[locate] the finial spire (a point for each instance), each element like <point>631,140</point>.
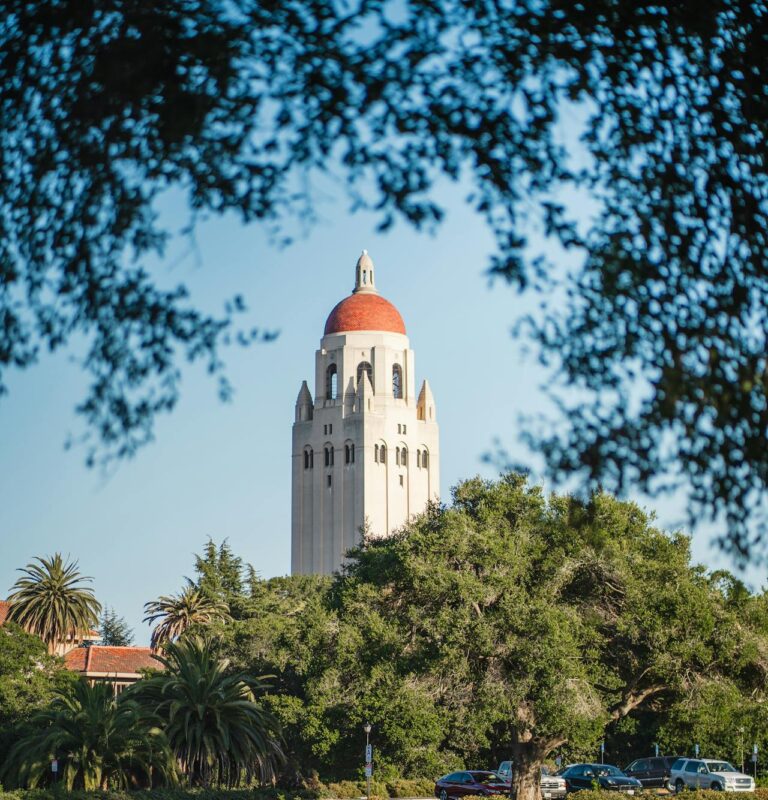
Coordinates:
<point>364,281</point>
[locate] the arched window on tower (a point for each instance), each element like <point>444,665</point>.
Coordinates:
<point>306,458</point>
<point>331,383</point>
<point>397,382</point>
<point>418,458</point>
<point>383,453</point>
<point>397,456</point>
<point>425,459</point>
<point>376,453</point>
<point>329,455</point>
<point>349,453</point>
<point>403,457</point>
<point>364,366</point>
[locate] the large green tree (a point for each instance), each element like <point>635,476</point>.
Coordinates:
<point>52,601</point>
<point>650,114</point>
<point>539,621</point>
<point>100,740</point>
<point>217,728</point>
<point>29,679</point>
<point>506,625</point>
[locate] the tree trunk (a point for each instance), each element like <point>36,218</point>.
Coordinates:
<point>526,770</point>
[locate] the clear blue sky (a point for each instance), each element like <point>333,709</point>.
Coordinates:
<point>223,470</point>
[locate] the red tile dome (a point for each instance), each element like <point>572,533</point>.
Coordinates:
<point>364,311</point>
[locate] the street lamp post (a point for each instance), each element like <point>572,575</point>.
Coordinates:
<point>741,747</point>
<point>368,760</point>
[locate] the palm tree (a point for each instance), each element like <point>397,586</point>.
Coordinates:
<point>217,730</point>
<point>178,613</point>
<point>99,740</point>
<point>51,602</point>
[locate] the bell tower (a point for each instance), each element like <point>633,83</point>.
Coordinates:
<point>366,448</point>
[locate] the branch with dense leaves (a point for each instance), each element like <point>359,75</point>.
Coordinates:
<point>652,115</point>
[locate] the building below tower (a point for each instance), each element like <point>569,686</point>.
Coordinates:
<point>366,448</point>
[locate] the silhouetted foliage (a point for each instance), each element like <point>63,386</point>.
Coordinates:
<point>653,112</point>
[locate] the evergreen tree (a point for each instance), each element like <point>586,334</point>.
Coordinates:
<point>114,630</point>
<point>223,576</point>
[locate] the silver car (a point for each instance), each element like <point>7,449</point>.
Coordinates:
<point>708,773</point>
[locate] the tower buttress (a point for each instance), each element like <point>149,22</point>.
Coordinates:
<point>304,406</point>
<point>425,405</point>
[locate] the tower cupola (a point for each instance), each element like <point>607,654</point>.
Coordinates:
<point>364,280</point>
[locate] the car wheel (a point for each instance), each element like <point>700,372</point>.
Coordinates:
<point>443,795</point>
<point>717,787</point>
<point>679,786</point>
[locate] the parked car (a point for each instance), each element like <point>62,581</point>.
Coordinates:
<point>459,784</point>
<point>708,773</point>
<point>606,776</point>
<point>652,771</point>
<point>552,786</point>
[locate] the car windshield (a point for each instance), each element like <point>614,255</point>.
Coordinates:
<point>719,766</point>
<point>607,771</point>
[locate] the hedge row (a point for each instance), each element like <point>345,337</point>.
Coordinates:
<point>345,790</point>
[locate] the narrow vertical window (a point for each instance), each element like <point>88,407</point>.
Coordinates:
<point>383,454</point>
<point>376,453</point>
<point>418,458</point>
<point>306,459</point>
<point>329,480</point>
<point>404,457</point>
<point>352,448</point>
<point>397,456</point>
<point>331,382</point>
<point>425,459</point>
<point>397,382</point>
<point>327,453</point>
<point>346,454</point>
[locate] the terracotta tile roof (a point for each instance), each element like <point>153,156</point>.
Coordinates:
<point>110,660</point>
<point>364,312</point>
<point>5,607</point>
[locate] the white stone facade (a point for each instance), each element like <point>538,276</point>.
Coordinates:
<point>366,449</point>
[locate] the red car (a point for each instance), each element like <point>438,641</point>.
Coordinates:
<point>458,784</point>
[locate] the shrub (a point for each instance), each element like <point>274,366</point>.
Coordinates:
<point>418,787</point>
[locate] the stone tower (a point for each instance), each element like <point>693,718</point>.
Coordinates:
<point>366,448</point>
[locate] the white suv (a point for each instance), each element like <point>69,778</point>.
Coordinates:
<point>707,773</point>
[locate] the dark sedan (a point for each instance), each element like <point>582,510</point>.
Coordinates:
<point>651,771</point>
<point>459,784</point>
<point>607,777</point>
